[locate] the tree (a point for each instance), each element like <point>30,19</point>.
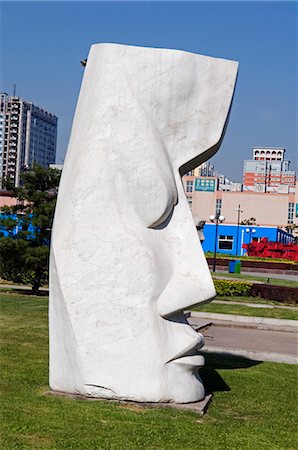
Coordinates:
<point>293,230</point>
<point>26,227</point>
<point>251,221</point>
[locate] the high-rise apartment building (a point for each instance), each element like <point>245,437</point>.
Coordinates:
<point>28,135</point>
<point>204,170</point>
<point>268,171</point>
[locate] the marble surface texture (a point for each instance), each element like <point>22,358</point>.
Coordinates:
<point>126,260</point>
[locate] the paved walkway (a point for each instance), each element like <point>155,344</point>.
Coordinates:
<point>280,276</point>
<point>250,339</point>
<point>256,305</point>
<point>21,287</point>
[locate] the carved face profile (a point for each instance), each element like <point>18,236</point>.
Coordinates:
<point>126,261</point>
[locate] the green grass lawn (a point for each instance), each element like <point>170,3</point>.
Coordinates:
<point>242,276</point>
<point>256,300</point>
<point>249,258</point>
<point>243,310</point>
<point>254,404</point>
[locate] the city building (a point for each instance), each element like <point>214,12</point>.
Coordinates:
<point>6,199</point>
<point>225,184</point>
<point>268,209</point>
<point>198,179</point>
<point>230,237</point>
<point>268,172</point>
<point>28,135</point>
<point>268,215</point>
<point>56,166</point>
<point>194,184</point>
<point>204,170</point>
<point>269,193</point>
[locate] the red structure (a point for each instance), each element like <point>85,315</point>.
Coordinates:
<point>267,249</point>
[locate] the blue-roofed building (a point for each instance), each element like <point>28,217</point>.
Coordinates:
<point>227,237</point>
<point>19,225</point>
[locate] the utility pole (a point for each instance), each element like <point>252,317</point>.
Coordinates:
<point>218,218</point>
<point>238,223</point>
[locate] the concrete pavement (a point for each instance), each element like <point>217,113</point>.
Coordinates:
<point>235,320</point>
<point>255,305</point>
<point>281,275</point>
<point>21,287</point>
<point>277,342</point>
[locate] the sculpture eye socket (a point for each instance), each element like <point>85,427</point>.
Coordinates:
<point>163,221</point>
<point>166,217</point>
<point>150,188</point>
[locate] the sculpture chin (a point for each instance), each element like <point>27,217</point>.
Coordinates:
<point>182,384</point>
<point>177,393</point>
<point>186,384</point>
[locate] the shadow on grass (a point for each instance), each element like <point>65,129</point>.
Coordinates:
<point>212,380</point>
<point>20,291</point>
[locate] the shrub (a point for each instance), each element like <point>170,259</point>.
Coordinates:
<point>25,253</point>
<point>232,288</point>
<point>256,262</point>
<point>281,294</point>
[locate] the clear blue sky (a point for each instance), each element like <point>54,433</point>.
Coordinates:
<point>43,43</point>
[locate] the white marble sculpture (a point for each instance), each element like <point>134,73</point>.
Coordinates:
<point>126,260</point>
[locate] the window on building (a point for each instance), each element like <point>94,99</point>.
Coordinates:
<point>225,242</point>
<point>218,206</point>
<point>189,199</point>
<point>189,186</point>
<point>291,212</point>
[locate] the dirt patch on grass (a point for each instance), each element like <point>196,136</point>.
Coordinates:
<point>37,440</point>
<point>132,407</point>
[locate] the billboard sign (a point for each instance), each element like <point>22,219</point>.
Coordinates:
<point>205,184</point>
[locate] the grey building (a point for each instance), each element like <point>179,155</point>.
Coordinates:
<point>269,171</point>
<point>28,135</point>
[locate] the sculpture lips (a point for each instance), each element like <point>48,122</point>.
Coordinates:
<point>190,352</point>
<point>191,361</point>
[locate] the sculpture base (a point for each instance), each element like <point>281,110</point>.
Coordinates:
<point>198,407</point>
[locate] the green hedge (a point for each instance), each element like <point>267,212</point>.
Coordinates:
<point>232,288</point>
<point>283,294</point>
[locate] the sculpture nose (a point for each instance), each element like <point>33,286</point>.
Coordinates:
<point>187,288</point>
<point>191,282</point>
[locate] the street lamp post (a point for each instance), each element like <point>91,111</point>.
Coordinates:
<point>250,231</point>
<point>238,222</point>
<point>218,218</point>
<point>242,241</point>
